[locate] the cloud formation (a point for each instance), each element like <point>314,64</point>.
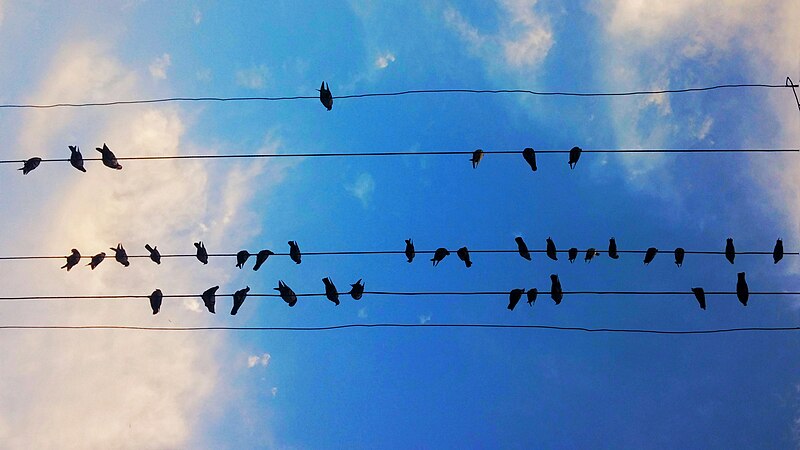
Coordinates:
<point>158,68</point>
<point>384,60</point>
<point>253,78</point>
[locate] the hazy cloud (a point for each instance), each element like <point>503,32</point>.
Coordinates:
<point>159,66</point>
<point>253,78</point>
<point>384,60</point>
<point>256,360</point>
<point>363,188</point>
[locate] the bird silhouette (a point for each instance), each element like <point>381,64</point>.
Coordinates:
<point>410,250</point>
<point>522,248</point>
<point>777,253</point>
<point>209,298</point>
<point>72,260</point>
<point>551,250</point>
<point>75,158</point>
<point>30,164</point>
<point>97,259</point>
<point>155,255</point>
<point>742,292</point>
<point>325,96</point>
<point>330,291</point>
<point>202,254</point>
<point>109,160</point>
<point>679,254</point>
<point>357,290</point>
<point>286,293</point>
<point>612,249</point>
<point>574,156</point>
<point>238,299</point>
<point>514,297</point>
<point>555,289</point>
<point>700,295</point>
<point>155,301</point>
<point>477,156</point>
<point>532,294</point>
<point>294,252</point>
<point>649,255</point>
<point>590,253</point>
<point>241,258</point>
<point>261,258</point>
<point>439,255</point>
<point>120,255</point>
<point>572,253</point>
<point>530,157</point>
<point>463,254</point>
<point>730,251</point>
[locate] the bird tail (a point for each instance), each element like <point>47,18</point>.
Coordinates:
<point>148,248</point>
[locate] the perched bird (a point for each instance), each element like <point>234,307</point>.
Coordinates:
<point>357,290</point>
<point>463,254</point>
<point>551,250</point>
<point>97,259</point>
<point>522,248</point>
<point>612,249</point>
<point>155,255</point>
<point>649,255</point>
<point>574,156</point>
<point>109,160</point>
<point>532,294</point>
<point>325,96</point>
<point>241,258</point>
<point>590,253</point>
<point>572,254</point>
<point>555,289</point>
<point>514,297</point>
<point>477,156</point>
<point>439,255</point>
<point>287,294</point>
<point>530,157</point>
<point>700,295</point>
<point>742,292</point>
<point>777,253</point>
<point>730,251</point>
<point>410,250</point>
<point>72,260</point>
<point>30,164</point>
<point>330,291</point>
<point>261,258</point>
<point>679,254</point>
<point>155,301</point>
<point>238,299</point>
<point>294,252</point>
<point>75,158</point>
<point>121,255</point>
<point>202,254</point>
<point>209,298</point>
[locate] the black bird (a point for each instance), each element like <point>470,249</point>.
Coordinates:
<point>75,158</point>
<point>330,291</point>
<point>679,254</point>
<point>700,295</point>
<point>155,301</point>
<point>209,298</point>
<point>325,96</point>
<point>97,259</point>
<point>590,253</point>
<point>532,294</point>
<point>30,164</point>
<point>238,299</point>
<point>202,254</point>
<point>742,292</point>
<point>574,156</point>
<point>155,255</point>
<point>522,248</point>
<point>261,258</point>
<point>358,290</point>
<point>649,255</point>
<point>555,289</point>
<point>121,255</point>
<point>241,258</point>
<point>612,249</point>
<point>572,254</point>
<point>514,297</point>
<point>410,250</point>
<point>551,250</point>
<point>72,260</point>
<point>730,251</point>
<point>777,253</point>
<point>439,255</point>
<point>294,252</point>
<point>477,156</point>
<point>530,157</point>
<point>109,160</point>
<point>463,254</point>
<point>287,294</point>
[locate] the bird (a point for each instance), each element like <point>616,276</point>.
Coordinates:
<point>700,295</point>
<point>612,249</point>
<point>155,255</point>
<point>97,259</point>
<point>574,156</point>
<point>572,254</point>
<point>649,255</point>
<point>121,255</point>
<point>261,258</point>
<point>238,299</point>
<point>241,258</point>
<point>439,255</point>
<point>463,254</point>
<point>155,301</point>
<point>730,251</point>
<point>532,294</point>
<point>742,292</point>
<point>410,250</point>
<point>522,248</point>
<point>679,254</point>
<point>477,156</point>
<point>551,250</point>
<point>294,252</point>
<point>286,293</point>
<point>325,96</point>
<point>530,157</point>
<point>357,290</point>
<point>590,253</point>
<point>513,298</point>
<point>202,254</point>
<point>72,260</point>
<point>777,253</point>
<point>209,298</point>
<point>330,291</point>
<point>30,164</point>
<point>109,160</point>
<point>555,289</point>
<point>75,158</point>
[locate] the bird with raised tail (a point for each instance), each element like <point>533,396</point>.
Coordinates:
<point>357,290</point>
<point>155,255</point>
<point>109,159</point>
<point>121,255</point>
<point>238,299</point>
<point>522,248</point>
<point>551,250</point>
<point>294,252</point>
<point>72,260</point>
<point>286,293</point>
<point>325,96</point>
<point>330,291</point>
<point>202,254</point>
<point>76,158</point>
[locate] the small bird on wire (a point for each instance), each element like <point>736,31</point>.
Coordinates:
<point>261,258</point>
<point>286,293</point>
<point>522,248</point>
<point>777,252</point>
<point>679,254</point>
<point>514,297</point>
<point>121,255</point>
<point>29,164</point>
<point>109,159</point>
<point>294,252</point>
<point>325,96</point>
<point>730,251</point>
<point>590,253</point>
<point>439,255</point>
<point>532,294</point>
<point>574,156</point>
<point>410,253</point>
<point>555,289</point>
<point>97,259</point>
<point>649,255</point>
<point>202,254</point>
<point>76,158</point>
<point>742,292</point>
<point>241,258</point>
<point>72,260</point>
<point>700,295</point>
<point>551,250</point>
<point>155,255</point>
<point>612,249</point>
<point>572,254</point>
<point>477,156</point>
<point>330,291</point>
<point>155,301</point>
<point>238,299</point>
<point>357,290</point>
<point>210,298</point>
<point>463,254</point>
<point>530,157</point>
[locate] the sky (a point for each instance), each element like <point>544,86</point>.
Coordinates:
<point>400,388</point>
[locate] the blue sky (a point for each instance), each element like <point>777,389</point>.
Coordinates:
<point>428,388</point>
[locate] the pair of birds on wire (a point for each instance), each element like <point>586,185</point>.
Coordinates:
<point>742,291</point>
<point>76,160</point>
<point>529,154</point>
<point>261,257</point>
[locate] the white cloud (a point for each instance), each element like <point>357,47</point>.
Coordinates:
<point>256,360</point>
<point>363,188</point>
<point>197,16</point>
<point>424,318</point>
<point>159,66</point>
<point>253,78</point>
<point>384,60</point>
<point>274,392</point>
<point>362,313</point>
